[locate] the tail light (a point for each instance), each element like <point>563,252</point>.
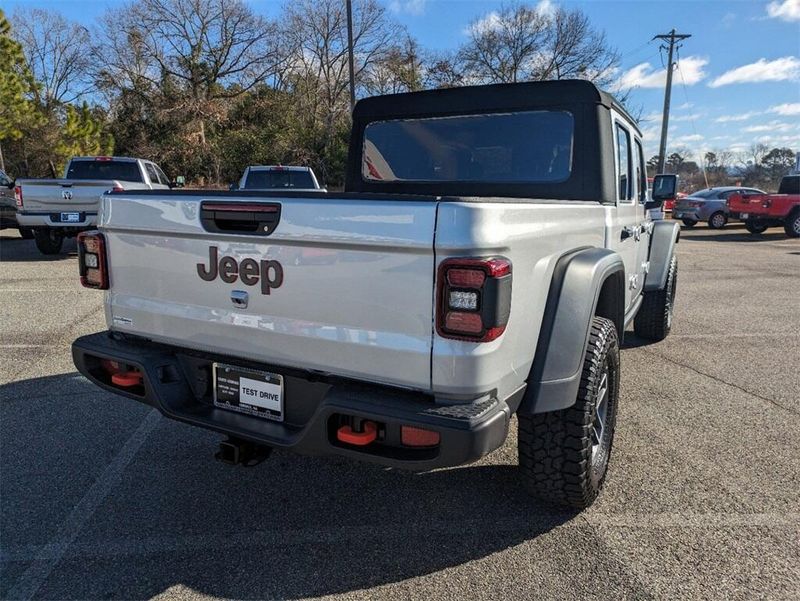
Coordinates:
<point>18,196</point>
<point>474,298</point>
<point>92,260</point>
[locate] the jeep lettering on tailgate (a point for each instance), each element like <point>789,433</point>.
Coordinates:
<point>249,271</point>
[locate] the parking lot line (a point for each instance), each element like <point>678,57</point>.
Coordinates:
<point>50,554</point>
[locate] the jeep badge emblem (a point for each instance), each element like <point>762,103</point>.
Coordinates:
<point>66,194</point>
<point>249,271</point>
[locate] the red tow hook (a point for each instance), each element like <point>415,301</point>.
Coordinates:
<point>127,379</point>
<point>347,435</point>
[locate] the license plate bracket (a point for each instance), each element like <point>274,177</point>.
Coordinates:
<point>249,391</point>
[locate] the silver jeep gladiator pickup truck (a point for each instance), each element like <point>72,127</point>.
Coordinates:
<point>60,208</point>
<point>490,248</point>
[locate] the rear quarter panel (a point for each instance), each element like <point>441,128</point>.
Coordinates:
<point>533,235</point>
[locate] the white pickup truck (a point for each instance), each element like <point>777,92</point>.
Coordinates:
<point>59,208</point>
<point>279,177</point>
<point>490,249</point>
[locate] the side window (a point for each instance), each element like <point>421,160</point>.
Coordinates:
<point>162,176</point>
<point>624,183</point>
<point>641,172</point>
<point>151,173</point>
<point>4,181</point>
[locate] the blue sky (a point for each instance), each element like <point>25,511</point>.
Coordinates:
<point>738,80</point>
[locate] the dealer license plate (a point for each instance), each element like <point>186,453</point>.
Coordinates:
<point>70,217</point>
<point>258,393</point>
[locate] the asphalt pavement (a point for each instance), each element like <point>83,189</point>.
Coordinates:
<point>101,497</point>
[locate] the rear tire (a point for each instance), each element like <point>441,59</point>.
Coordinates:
<point>689,223</point>
<point>654,319</point>
<point>791,224</point>
<point>755,227</point>
<point>48,241</point>
<point>564,455</point>
<point>717,221</point>
<point>26,233</point>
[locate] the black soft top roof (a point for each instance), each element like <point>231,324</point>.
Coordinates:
<point>510,96</point>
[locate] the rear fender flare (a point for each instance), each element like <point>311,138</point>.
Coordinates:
<point>662,246</point>
<point>572,301</point>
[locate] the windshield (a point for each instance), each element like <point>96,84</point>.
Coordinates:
<point>265,179</point>
<point>126,171</point>
<point>524,147</point>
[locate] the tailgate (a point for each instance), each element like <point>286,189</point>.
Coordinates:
<point>63,195</point>
<point>340,286</point>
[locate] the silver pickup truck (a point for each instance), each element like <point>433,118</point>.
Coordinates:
<point>490,249</point>
<point>59,208</point>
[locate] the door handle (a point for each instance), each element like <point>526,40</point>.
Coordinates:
<point>628,231</point>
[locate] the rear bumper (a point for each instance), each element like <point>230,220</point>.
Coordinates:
<point>177,382</point>
<point>52,219</point>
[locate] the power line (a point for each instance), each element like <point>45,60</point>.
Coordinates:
<point>672,38</point>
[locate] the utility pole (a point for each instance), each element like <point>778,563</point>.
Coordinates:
<point>672,38</point>
<point>350,54</point>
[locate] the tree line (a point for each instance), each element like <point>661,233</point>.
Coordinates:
<point>757,167</point>
<point>206,87</point>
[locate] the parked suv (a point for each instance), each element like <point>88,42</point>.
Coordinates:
<point>708,205</point>
<point>491,246</point>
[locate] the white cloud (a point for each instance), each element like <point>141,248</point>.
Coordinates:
<point>488,22</point>
<point>728,20</point>
<point>788,10</point>
<point>739,117</point>
<point>772,126</point>
<point>411,7</point>
<point>780,69</point>
<point>491,20</point>
<point>786,110</point>
<point>687,139</point>
<point>685,105</point>
<point>546,8</point>
<point>644,75</point>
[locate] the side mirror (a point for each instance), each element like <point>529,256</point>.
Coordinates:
<point>665,187</point>
<point>180,181</point>
<point>233,187</point>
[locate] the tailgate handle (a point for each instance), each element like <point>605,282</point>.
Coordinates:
<point>252,218</point>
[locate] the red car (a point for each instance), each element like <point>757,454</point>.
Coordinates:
<point>760,211</point>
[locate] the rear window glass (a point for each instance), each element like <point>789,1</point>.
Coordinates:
<point>790,185</point>
<point>126,171</point>
<point>267,179</point>
<point>706,194</point>
<point>532,146</point>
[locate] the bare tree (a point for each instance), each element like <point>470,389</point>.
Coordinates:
<point>576,50</point>
<point>58,54</point>
<point>532,43</point>
<point>442,70</point>
<point>317,30</point>
<point>506,46</point>
<point>400,69</point>
<point>201,51</point>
